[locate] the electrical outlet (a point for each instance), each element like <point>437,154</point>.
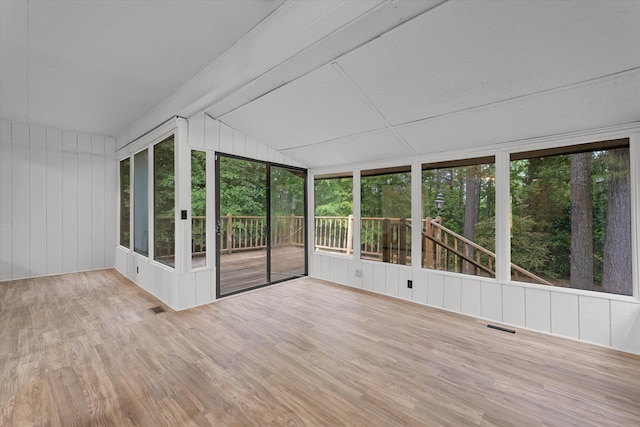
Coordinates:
<point>410,284</point>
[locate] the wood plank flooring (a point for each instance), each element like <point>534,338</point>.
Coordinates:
<point>84,349</point>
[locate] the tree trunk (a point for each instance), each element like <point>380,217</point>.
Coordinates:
<point>616,269</point>
<point>581,222</point>
<point>471,212</point>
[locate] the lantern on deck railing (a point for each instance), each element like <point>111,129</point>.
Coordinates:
<point>439,203</point>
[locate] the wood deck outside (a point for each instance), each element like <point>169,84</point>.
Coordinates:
<point>85,349</point>
<point>247,269</point>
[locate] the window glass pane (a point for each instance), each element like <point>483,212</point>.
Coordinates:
<point>458,211</point>
<point>385,231</point>
<point>198,209</point>
<point>164,202</point>
<point>141,203</point>
<point>333,210</point>
<point>125,213</point>
<point>571,219</point>
<point>288,228</point>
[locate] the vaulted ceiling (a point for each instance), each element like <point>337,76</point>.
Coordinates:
<point>97,66</point>
<point>327,82</point>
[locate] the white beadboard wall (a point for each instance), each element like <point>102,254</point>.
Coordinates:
<point>196,287</point>
<point>57,201</point>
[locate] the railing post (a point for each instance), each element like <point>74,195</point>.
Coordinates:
<point>350,235</point>
<point>229,234</point>
<point>386,240</point>
<point>437,249</point>
<point>402,242</point>
<point>427,244</point>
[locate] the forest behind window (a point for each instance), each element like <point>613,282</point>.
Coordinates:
<point>571,216</point>
<point>333,211</point>
<point>458,211</point>
<point>385,223</point>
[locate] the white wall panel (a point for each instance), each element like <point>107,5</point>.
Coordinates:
<point>367,275</point>
<point>54,201</point>
<point>625,326</point>
<point>420,278</point>
<point>452,293</point>
<point>69,202</point>
<point>435,289</point>
<point>121,261</point>
<point>262,151</point>
<point>391,280</point>
<point>97,203</point>
<point>203,287</point>
<point>471,297</point>
<point>379,278</point>
<point>186,290</point>
<point>251,148</point>
<point>84,205</point>
<point>239,146</point>
<point>5,200</point>
<point>226,139</point>
<point>211,134</point>
<point>196,131</point>
<point>334,269</point>
<point>355,265</point>
<point>343,271</point>
<point>538,310</point>
<point>565,315</point>
<point>46,214</point>
<point>38,201</point>
<point>20,200</point>
<point>405,274</point>
<point>110,201</point>
<point>513,305</point>
<point>595,326</point>
<point>491,301</point>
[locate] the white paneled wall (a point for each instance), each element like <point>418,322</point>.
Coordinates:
<point>605,320</point>
<point>57,201</point>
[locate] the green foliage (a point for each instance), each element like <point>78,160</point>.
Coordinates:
<point>198,183</point>
<point>333,196</point>
<point>452,183</point>
<point>386,196</point>
<point>243,189</point>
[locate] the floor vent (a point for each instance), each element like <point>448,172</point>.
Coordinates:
<point>157,310</point>
<point>511,331</point>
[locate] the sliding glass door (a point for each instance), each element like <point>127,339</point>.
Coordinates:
<point>260,224</point>
<point>288,235</point>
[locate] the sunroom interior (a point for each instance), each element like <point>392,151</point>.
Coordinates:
<point>482,158</point>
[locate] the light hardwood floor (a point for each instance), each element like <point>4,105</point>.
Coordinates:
<point>84,349</point>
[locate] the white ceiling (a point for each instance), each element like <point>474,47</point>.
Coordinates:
<point>326,82</point>
<point>98,65</point>
<point>463,74</point>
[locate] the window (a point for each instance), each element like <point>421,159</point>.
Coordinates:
<point>571,217</point>
<point>385,231</point>
<point>141,202</point>
<point>458,211</point>
<point>333,210</point>
<point>198,209</point>
<point>125,212</point>
<point>164,195</point>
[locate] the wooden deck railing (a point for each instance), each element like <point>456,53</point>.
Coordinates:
<point>385,239</point>
<point>334,234</point>
<point>446,250</point>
